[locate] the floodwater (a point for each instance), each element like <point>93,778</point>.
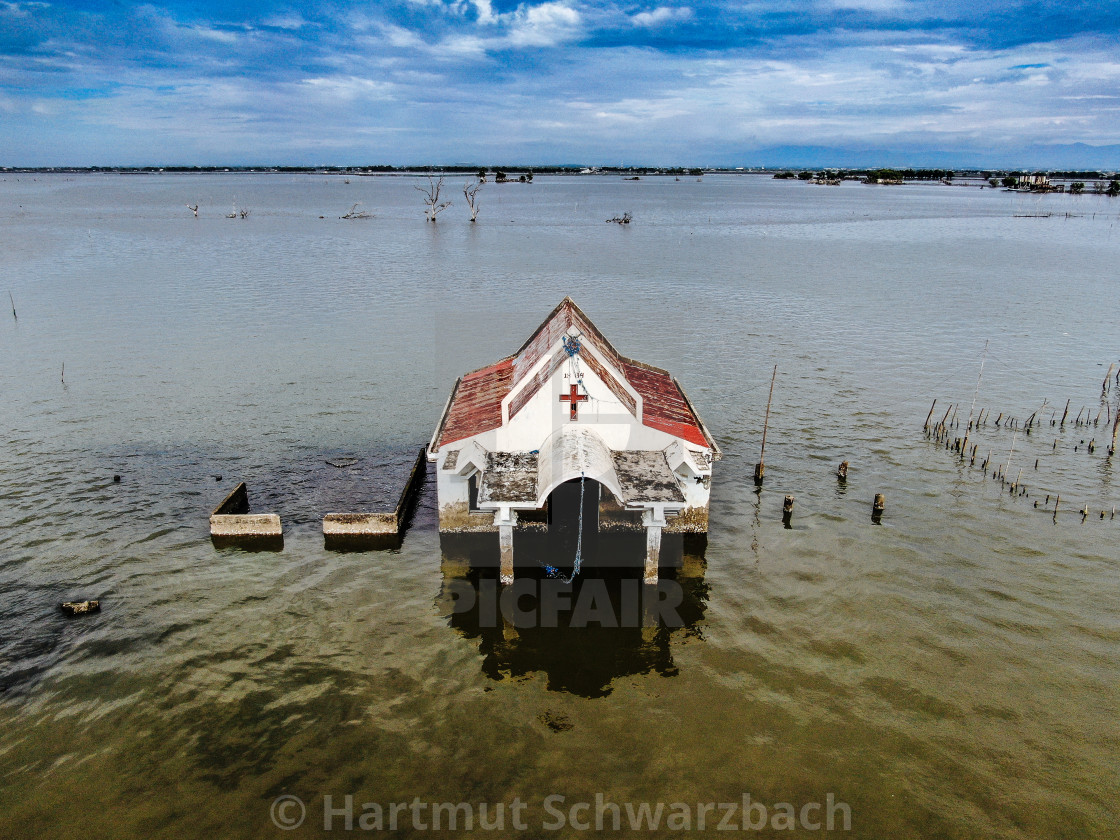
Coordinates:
<point>951,672</point>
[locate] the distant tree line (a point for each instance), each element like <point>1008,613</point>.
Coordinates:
<point>873,175</point>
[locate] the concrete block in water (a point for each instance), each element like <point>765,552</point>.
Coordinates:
<point>245,525</point>
<point>232,524</point>
<point>236,502</point>
<point>360,524</point>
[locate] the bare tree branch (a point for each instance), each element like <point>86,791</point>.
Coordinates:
<point>470,191</point>
<point>433,206</point>
<point>355,213</point>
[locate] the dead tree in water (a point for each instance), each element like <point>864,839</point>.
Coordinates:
<point>355,213</point>
<point>469,192</point>
<point>433,206</point>
<point>194,209</point>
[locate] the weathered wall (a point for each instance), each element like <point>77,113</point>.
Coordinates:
<point>692,520</point>
<point>455,518</point>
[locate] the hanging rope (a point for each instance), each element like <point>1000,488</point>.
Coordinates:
<point>552,571</point>
<point>572,347</point>
<point>579,533</point>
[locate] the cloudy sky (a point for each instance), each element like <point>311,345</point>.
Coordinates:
<point>712,82</point>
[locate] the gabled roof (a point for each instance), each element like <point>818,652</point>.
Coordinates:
<point>475,405</point>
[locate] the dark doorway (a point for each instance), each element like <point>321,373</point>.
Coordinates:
<point>564,520</point>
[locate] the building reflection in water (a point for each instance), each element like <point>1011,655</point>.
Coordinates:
<point>582,635</point>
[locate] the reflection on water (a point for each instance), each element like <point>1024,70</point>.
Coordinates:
<point>582,635</point>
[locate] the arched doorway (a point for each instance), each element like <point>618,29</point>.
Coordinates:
<point>564,505</point>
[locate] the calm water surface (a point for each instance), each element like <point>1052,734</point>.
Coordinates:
<point>952,672</point>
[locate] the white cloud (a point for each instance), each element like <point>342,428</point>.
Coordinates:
<point>543,26</point>
<point>400,37</point>
<point>22,10</point>
<point>290,21</point>
<point>485,11</point>
<point>347,88</point>
<point>661,15</point>
<point>222,36</point>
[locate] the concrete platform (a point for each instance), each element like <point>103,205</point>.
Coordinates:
<point>376,530</point>
<point>232,524</point>
<point>246,525</point>
<point>360,524</point>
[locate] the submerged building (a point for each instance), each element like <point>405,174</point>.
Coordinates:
<point>569,436</point>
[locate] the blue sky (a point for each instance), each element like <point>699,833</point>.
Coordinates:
<point>892,82</point>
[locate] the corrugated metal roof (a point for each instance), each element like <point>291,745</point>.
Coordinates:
<point>476,404</point>
<point>663,405</point>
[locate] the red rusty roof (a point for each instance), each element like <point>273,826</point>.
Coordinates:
<point>476,403</point>
<point>664,405</point>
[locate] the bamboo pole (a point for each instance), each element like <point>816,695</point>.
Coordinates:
<point>1009,454</point>
<point>941,425</point>
<point>975,393</point>
<point>925,426</point>
<point>760,467</point>
<point>13,300</point>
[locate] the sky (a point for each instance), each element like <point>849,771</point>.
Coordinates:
<point>705,83</point>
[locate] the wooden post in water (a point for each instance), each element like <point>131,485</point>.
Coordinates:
<point>760,467</point>
<point>925,426</point>
<point>1115,426</point>
<point>787,511</point>
<point>1064,413</point>
<point>16,317</point>
<point>941,425</point>
<point>877,507</point>
<point>842,472</point>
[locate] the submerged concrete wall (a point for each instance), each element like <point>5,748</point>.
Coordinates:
<point>232,524</point>
<point>361,531</point>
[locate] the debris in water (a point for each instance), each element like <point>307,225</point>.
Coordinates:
<point>80,607</point>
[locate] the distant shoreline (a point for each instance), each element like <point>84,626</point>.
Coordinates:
<point>911,174</point>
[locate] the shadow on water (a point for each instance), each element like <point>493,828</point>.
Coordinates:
<point>584,634</point>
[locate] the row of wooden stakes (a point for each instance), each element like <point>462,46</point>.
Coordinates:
<point>939,434</point>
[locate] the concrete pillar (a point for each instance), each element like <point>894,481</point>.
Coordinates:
<point>653,552</point>
<point>505,540</point>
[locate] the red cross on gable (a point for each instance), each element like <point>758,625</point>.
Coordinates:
<point>574,398</point>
